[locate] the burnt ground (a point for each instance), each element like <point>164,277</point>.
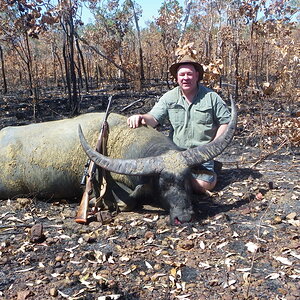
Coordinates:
<point>243,244</point>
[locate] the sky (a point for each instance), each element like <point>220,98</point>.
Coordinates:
<point>150,9</point>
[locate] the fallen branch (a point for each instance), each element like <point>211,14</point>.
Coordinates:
<point>133,103</point>
<point>268,154</point>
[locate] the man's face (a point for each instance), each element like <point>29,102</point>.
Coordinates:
<point>187,77</point>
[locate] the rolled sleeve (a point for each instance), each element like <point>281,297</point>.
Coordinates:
<point>222,112</point>
<point>159,110</point>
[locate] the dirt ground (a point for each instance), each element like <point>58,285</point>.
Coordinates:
<point>243,244</point>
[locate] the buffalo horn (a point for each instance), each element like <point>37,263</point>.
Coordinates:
<point>154,165</point>
<point>140,166</point>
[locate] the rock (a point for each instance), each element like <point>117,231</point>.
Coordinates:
<point>36,233</point>
<point>59,257</point>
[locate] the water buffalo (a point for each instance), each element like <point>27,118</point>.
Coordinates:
<point>46,160</point>
<point>153,164</point>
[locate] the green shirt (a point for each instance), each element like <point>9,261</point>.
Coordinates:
<point>195,124</point>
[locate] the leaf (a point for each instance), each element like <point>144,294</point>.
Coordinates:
<point>294,276</point>
<point>220,246</point>
<point>127,272</point>
<point>244,270</point>
<point>251,247</point>
<point>293,253</point>
<point>148,265</point>
<point>63,294</point>
<point>172,279</point>
<point>24,295</point>
<point>295,223</point>
<point>202,245</point>
<point>246,277</point>
<point>229,283</point>
<point>283,260</point>
<point>291,216</point>
<point>183,297</point>
<point>124,258</point>
<point>235,234</point>
<point>193,236</point>
<point>173,272</point>
<point>204,265</point>
<point>273,276</point>
<point>157,276</point>
<point>113,297</point>
<point>24,270</point>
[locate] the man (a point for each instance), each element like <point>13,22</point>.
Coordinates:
<point>197,114</point>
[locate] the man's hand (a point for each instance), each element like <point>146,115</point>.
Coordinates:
<point>135,121</point>
<point>138,120</point>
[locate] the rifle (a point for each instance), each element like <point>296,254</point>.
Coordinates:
<point>89,175</point>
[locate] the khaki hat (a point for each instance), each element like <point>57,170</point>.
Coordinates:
<point>186,60</point>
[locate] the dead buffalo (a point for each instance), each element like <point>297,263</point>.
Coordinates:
<point>154,165</point>
<point>45,159</point>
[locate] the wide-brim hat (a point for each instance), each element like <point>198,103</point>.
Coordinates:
<point>184,61</point>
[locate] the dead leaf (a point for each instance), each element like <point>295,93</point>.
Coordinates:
<point>202,245</point>
<point>24,295</point>
<point>148,265</point>
<point>24,270</point>
<point>228,283</point>
<point>283,260</point>
<point>183,297</point>
<point>291,216</point>
<point>205,265</point>
<point>273,276</point>
<point>246,277</point>
<point>295,223</point>
<point>112,296</point>
<point>293,253</point>
<point>220,246</point>
<point>251,247</point>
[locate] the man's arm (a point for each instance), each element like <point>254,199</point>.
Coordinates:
<point>221,130</point>
<point>138,120</point>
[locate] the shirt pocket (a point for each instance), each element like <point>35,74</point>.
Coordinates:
<point>176,116</point>
<point>203,115</point>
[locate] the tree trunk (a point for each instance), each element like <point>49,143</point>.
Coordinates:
<point>141,64</point>
<point>83,66</point>
<point>237,56</point>
<point>61,68</point>
<point>69,57</point>
<point>3,71</point>
<point>68,81</point>
<point>70,38</point>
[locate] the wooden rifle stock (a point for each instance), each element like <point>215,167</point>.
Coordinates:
<point>82,213</point>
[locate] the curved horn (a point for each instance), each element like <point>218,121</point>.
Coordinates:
<point>208,151</point>
<point>140,166</point>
